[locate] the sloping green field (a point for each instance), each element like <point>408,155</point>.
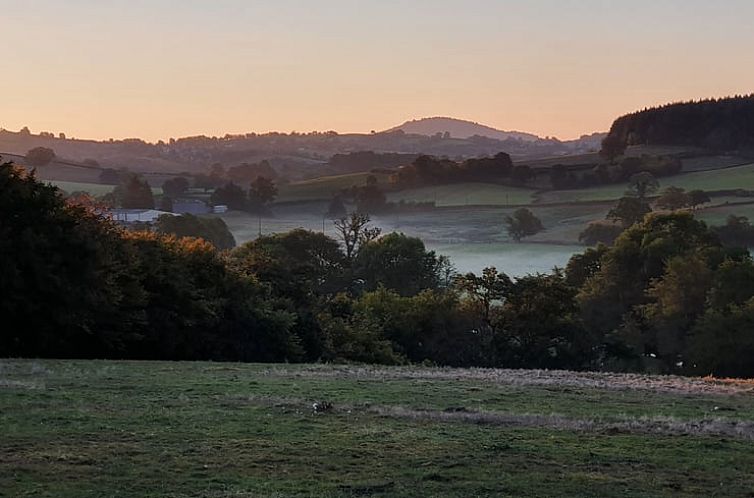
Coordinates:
<point>466,194</point>
<point>460,194</point>
<point>149,429</point>
<point>324,187</point>
<point>90,188</point>
<point>740,177</point>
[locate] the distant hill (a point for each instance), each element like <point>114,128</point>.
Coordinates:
<point>294,156</point>
<point>716,124</point>
<point>459,128</point>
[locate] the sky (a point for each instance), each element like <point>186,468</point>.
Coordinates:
<point>168,68</point>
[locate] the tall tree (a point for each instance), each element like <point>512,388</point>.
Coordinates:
<point>262,193</point>
<point>174,187</point>
<point>488,289</point>
<point>230,195</point>
<point>399,263</point>
<point>642,184</point>
<point>134,193</point>
<point>354,232</point>
<point>522,224</point>
<point>629,211</point>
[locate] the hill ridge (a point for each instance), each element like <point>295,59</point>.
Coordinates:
<point>460,128</point>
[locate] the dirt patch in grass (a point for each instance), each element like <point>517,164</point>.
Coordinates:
<point>554,378</point>
<point>666,426</point>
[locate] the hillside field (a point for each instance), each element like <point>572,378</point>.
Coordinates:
<point>739,177</point>
<point>324,187</point>
<point>109,428</point>
<point>466,194</point>
<point>95,189</point>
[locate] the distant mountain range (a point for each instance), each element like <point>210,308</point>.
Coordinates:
<point>459,128</point>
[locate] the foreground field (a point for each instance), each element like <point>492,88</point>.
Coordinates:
<point>103,428</point>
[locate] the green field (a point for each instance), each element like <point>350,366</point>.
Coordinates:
<point>324,187</point>
<point>91,188</point>
<point>461,194</point>
<point>144,429</point>
<point>741,177</point>
<point>514,259</point>
<point>466,194</point>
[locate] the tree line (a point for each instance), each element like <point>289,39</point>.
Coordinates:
<point>427,170</point>
<point>668,296</point>
<point>717,124</point>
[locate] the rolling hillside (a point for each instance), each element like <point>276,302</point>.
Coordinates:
<point>459,128</point>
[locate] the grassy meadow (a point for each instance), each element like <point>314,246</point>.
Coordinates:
<point>94,189</point>
<point>140,429</point>
<point>473,238</point>
<point>466,194</point>
<point>324,187</point>
<point>738,177</point>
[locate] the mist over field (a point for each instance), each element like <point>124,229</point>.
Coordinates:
<point>343,249</point>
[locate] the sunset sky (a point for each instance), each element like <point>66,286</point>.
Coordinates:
<point>167,68</point>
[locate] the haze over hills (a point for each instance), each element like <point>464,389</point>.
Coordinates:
<point>460,128</point>
<point>294,155</point>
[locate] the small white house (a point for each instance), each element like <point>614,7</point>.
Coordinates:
<point>137,215</point>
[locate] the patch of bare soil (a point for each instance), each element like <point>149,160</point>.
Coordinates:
<point>666,426</point>
<point>554,378</point>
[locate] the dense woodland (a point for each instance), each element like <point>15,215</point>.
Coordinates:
<point>717,124</point>
<point>667,296</point>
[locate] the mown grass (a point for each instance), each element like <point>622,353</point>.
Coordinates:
<point>103,428</point>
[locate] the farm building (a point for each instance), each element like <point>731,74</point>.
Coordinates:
<point>136,215</point>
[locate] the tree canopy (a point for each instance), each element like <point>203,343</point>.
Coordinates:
<point>668,296</point>
<point>213,230</point>
<point>523,223</point>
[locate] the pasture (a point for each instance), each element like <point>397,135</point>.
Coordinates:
<point>739,177</point>
<point>473,238</point>
<point>94,189</point>
<point>324,187</point>
<point>139,429</point>
<point>466,194</point>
